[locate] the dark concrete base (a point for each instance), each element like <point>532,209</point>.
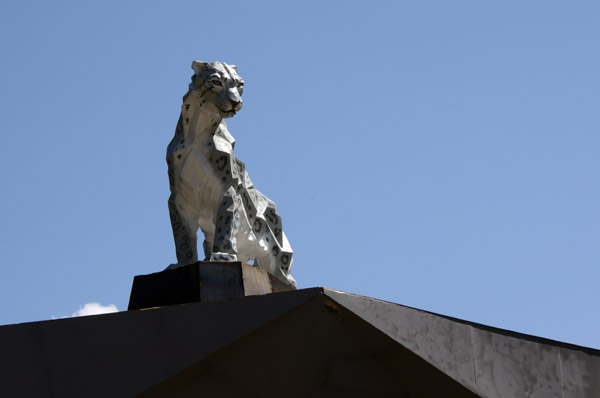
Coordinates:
<point>305,343</point>
<point>200,282</point>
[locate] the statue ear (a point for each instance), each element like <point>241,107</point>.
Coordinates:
<point>198,67</point>
<point>234,67</point>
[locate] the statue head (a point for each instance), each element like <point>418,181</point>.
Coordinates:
<point>217,87</point>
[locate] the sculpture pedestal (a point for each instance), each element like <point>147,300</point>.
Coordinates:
<point>202,281</point>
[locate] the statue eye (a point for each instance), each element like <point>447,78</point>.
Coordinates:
<point>241,85</point>
<point>217,83</point>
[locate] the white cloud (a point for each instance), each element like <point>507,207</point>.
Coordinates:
<point>95,309</point>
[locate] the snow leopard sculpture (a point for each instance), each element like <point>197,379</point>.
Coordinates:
<point>210,188</point>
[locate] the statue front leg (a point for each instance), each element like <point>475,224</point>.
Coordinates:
<point>226,227</point>
<point>185,233</point>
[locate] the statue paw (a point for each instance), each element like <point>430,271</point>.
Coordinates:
<point>222,257</point>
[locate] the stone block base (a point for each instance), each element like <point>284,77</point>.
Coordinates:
<point>202,281</point>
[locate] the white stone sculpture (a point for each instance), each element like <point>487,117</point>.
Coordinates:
<point>210,188</point>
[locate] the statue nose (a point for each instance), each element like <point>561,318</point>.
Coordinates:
<point>235,104</point>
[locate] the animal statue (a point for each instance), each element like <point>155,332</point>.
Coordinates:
<point>210,188</point>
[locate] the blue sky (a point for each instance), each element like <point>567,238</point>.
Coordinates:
<point>441,155</point>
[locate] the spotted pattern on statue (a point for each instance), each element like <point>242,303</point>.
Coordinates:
<point>211,189</point>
